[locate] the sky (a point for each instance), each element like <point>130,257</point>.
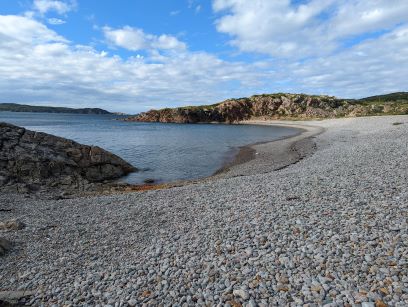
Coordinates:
<point>134,55</point>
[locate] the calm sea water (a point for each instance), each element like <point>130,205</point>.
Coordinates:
<point>165,152</point>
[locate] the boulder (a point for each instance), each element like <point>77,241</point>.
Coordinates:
<point>32,160</point>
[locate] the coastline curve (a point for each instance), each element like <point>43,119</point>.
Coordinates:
<point>252,159</point>
<point>274,155</point>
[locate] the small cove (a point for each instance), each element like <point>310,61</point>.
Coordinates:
<point>163,152</point>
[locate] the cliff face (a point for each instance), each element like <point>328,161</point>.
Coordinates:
<point>43,160</point>
<point>268,106</point>
<point>275,106</point>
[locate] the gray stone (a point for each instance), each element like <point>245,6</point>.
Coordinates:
<point>186,245</point>
<point>241,293</point>
<point>37,159</point>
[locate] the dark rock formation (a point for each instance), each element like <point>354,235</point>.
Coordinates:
<point>278,106</point>
<point>35,160</point>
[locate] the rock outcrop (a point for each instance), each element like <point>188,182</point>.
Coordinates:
<point>35,160</point>
<point>276,106</point>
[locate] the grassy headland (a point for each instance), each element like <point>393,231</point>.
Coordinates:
<point>280,106</point>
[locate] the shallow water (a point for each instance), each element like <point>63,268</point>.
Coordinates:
<point>165,152</point>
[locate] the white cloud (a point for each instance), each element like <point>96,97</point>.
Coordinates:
<point>39,66</point>
<point>316,27</point>
<point>17,29</point>
<point>348,48</point>
<point>55,21</point>
<point>136,39</point>
<point>61,7</point>
<point>372,67</point>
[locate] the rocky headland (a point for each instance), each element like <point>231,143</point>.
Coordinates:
<point>279,106</point>
<point>31,161</point>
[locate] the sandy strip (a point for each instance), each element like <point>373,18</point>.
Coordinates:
<point>269,156</point>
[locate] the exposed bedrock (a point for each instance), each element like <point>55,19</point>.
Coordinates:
<point>37,160</point>
<point>278,106</point>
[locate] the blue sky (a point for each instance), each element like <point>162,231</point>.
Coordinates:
<point>133,55</point>
<point>177,17</point>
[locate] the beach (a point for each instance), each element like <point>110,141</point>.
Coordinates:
<point>318,219</point>
<point>271,156</point>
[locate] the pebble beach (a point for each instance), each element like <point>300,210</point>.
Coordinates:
<point>320,219</point>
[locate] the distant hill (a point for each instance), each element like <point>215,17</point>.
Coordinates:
<point>393,97</point>
<point>279,106</point>
<point>14,107</point>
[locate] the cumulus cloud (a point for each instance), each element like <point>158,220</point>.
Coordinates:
<point>39,66</point>
<point>61,7</point>
<point>136,39</point>
<point>312,28</point>
<point>301,44</point>
<point>350,48</point>
<point>370,68</point>
<point>17,29</point>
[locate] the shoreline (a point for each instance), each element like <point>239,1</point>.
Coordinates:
<point>239,155</point>
<point>329,230</point>
<point>269,155</point>
<point>294,148</point>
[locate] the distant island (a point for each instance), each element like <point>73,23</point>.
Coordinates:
<point>14,107</point>
<point>280,106</point>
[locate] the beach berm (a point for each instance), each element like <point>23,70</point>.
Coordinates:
<point>330,229</point>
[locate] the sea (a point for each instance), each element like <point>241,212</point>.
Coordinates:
<point>162,152</point>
